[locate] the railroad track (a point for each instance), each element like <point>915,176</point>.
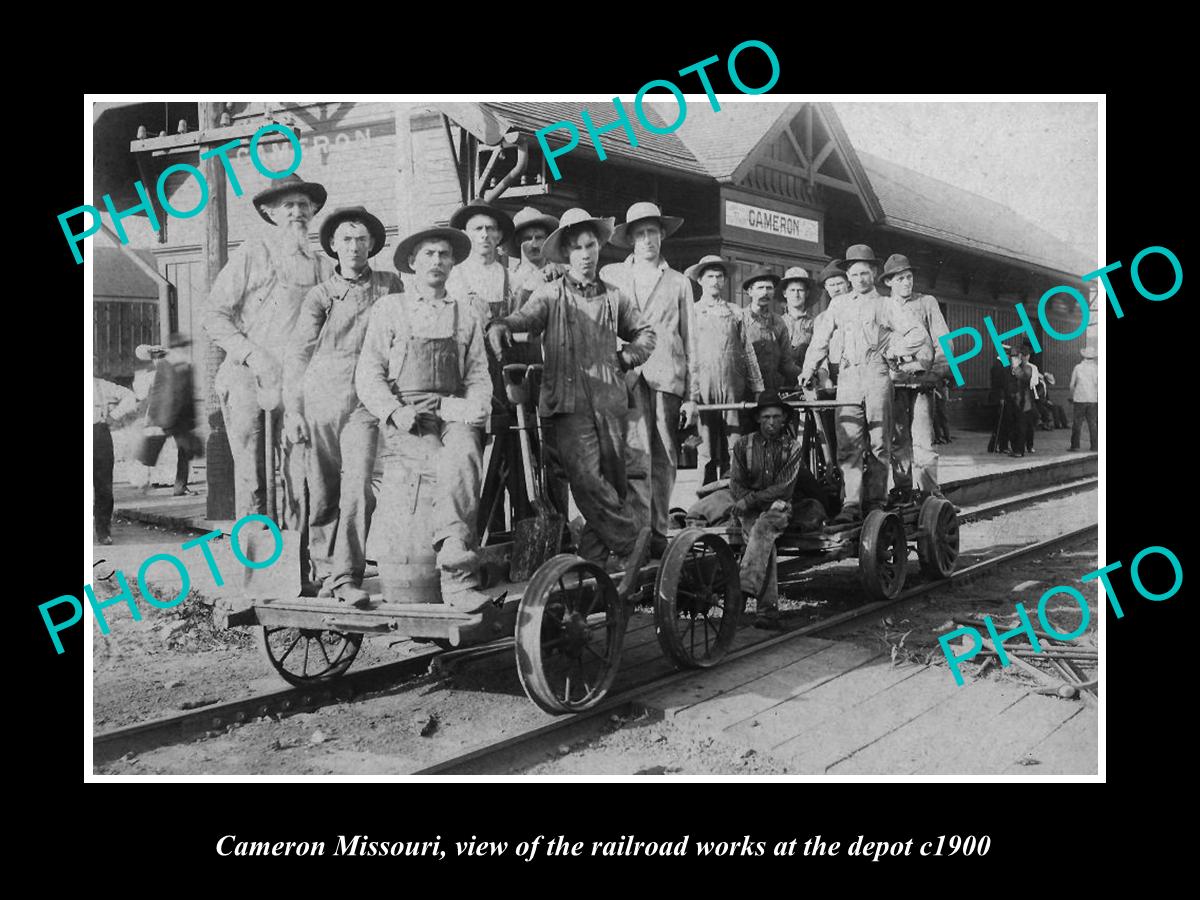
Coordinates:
<point>529,746</point>
<point>204,722</point>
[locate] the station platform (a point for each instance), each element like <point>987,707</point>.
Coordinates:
<point>968,474</point>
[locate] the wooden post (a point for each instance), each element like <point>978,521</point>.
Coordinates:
<point>215,247</point>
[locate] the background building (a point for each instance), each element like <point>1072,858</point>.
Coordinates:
<point>778,184</point>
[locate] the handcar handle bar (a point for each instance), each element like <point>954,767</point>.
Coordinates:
<point>795,404</point>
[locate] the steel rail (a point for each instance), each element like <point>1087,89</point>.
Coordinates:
<point>480,760</point>
<point>177,727</point>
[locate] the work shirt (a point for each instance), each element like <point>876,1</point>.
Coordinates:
<point>397,318</point>
<point>1085,382</point>
<point>488,282</point>
<point>250,304</point>
<point>763,471</point>
<point>329,332</point>
<point>866,323</point>
<point>772,345</point>
<point>800,332</point>
<point>667,307</point>
<point>721,360</point>
<point>924,308</point>
<point>527,278</point>
<point>110,401</point>
<point>580,325</point>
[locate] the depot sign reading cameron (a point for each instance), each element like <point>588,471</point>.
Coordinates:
<point>769,221</point>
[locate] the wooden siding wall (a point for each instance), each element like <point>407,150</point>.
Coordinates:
<point>118,326</point>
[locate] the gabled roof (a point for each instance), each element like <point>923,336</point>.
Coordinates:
<point>114,275</point>
<point>927,206</point>
<point>664,150</point>
<point>721,140</point>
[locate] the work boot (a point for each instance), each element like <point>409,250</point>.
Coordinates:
<point>850,514</point>
<point>464,599</point>
<point>352,594</point>
<point>454,554</point>
<point>658,546</point>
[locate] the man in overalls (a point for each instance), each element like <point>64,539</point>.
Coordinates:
<point>660,386</point>
<point>423,373</point>
<point>795,286</point>
<point>252,308</point>
<point>768,332</point>
<point>583,390</point>
<point>866,321</point>
<point>322,406</point>
<point>918,371</point>
<point>723,367</point>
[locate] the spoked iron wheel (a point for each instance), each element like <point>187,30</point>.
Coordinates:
<point>883,555</point>
<point>937,547</point>
<point>697,599</point>
<point>307,656</point>
<point>570,629</point>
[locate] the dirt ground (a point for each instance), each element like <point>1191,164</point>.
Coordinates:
<point>174,659</point>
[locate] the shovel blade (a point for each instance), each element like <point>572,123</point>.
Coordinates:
<point>535,540</point>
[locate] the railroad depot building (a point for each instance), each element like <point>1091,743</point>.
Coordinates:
<point>775,184</point>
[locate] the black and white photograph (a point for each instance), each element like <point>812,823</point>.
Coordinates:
<point>739,436</point>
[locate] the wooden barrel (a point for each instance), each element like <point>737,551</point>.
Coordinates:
<point>402,537</point>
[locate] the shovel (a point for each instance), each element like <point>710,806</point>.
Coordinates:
<point>539,537</point>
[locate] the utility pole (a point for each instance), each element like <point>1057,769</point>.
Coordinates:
<point>219,460</point>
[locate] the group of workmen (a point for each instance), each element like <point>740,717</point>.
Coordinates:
<point>334,351</point>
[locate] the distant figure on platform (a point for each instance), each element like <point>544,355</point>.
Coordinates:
<point>110,402</point>
<point>1032,414</point>
<point>1019,400</point>
<point>170,411</point>
<point>1002,385</point>
<point>1085,396</point>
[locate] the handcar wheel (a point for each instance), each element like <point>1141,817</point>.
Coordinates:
<point>883,555</point>
<point>570,628</point>
<point>697,599</point>
<point>937,546</point>
<point>306,656</point>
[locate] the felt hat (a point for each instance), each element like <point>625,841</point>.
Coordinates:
<point>860,253</point>
<point>527,218</point>
<point>315,192</point>
<point>760,273</point>
<point>833,270</point>
<point>796,273</point>
<point>767,399</point>
<point>706,262</point>
<point>463,215</point>
<point>896,263</point>
<point>808,514</point>
<point>460,244</point>
<point>1088,353</point>
<point>640,212</point>
<point>347,213</point>
<point>147,352</point>
<point>573,218</point>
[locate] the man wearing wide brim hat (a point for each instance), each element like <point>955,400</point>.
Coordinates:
<point>1085,398</point>
<point>767,472</point>
<point>322,407</point>
<point>481,276</point>
<point>423,373</point>
<point>660,386</point>
<point>252,309</point>
<point>867,323</point>
<point>795,287</point>
<point>767,331</point>
<point>723,367</point>
<point>583,391</point>
<point>917,371</point>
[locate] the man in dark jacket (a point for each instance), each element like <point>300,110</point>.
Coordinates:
<point>171,411</point>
